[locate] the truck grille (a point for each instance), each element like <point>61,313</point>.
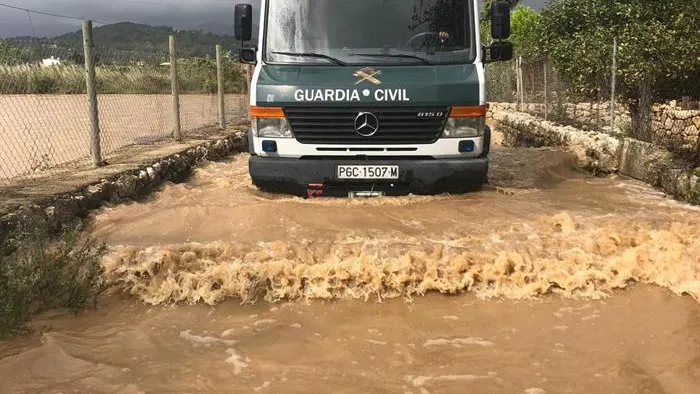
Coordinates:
<point>337,125</point>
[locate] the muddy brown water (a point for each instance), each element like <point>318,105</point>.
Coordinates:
<point>548,281</point>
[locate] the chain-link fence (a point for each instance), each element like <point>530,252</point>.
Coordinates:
<point>535,86</point>
<point>50,121</point>
<point>538,88</point>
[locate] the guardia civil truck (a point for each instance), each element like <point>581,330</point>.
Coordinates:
<point>369,97</point>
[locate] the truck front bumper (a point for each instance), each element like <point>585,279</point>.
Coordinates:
<point>296,176</point>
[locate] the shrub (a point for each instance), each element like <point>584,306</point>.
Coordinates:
<point>40,272</point>
<point>195,76</point>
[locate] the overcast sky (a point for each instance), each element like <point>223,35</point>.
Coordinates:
<point>209,15</point>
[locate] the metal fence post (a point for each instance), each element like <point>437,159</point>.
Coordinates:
<point>522,83</point>
<point>546,91</point>
<point>220,78</point>
<point>518,87</point>
<point>612,88</point>
<point>92,93</point>
<point>177,132</point>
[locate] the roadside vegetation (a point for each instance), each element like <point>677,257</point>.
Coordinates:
<point>657,56</point>
<point>656,60</point>
<point>195,75</point>
<point>40,271</point>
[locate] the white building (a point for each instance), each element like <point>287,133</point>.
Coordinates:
<point>50,62</point>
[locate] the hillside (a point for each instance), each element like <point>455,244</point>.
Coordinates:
<point>129,36</point>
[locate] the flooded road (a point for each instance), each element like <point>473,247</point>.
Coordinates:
<point>548,281</point>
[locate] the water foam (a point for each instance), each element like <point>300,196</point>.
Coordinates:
<point>562,256</point>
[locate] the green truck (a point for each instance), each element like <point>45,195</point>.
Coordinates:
<point>369,97</point>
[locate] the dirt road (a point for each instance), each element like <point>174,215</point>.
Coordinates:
<point>552,281</point>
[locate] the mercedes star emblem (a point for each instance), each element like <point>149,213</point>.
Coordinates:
<point>366,124</point>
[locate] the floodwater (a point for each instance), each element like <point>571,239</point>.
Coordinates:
<point>548,281</point>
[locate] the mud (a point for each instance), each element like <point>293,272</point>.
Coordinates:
<point>642,340</point>
<point>548,281</point>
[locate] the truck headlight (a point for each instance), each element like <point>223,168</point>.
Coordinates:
<point>270,122</point>
<point>272,128</point>
<point>464,127</point>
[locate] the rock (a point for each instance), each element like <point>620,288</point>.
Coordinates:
<point>676,131</point>
<point>126,186</point>
<point>599,151</point>
<point>686,114</point>
<point>50,211</point>
<point>677,183</point>
<point>642,160</point>
<point>67,209</point>
<point>96,194</point>
<point>668,124</point>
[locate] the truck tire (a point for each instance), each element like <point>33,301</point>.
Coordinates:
<point>251,145</point>
<point>487,142</point>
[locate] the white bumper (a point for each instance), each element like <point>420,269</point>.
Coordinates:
<point>442,148</point>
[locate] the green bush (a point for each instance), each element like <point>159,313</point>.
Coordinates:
<point>40,272</point>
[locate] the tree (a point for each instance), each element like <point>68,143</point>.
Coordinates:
<point>11,55</point>
<point>485,24</point>
<point>489,3</point>
<point>525,24</point>
<point>658,44</point>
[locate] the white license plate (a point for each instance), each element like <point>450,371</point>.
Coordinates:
<point>368,172</point>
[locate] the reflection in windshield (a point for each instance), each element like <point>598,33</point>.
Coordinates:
<point>370,31</point>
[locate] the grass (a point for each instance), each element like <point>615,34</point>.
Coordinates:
<point>40,272</point>
<point>194,77</point>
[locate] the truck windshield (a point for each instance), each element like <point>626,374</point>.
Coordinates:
<point>370,32</point>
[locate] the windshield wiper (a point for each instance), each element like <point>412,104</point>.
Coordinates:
<point>399,55</point>
<point>311,54</point>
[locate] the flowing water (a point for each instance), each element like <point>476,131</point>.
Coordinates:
<point>548,281</point>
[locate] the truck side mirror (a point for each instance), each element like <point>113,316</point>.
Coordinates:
<point>500,20</point>
<point>248,55</point>
<point>243,21</point>
<point>501,51</point>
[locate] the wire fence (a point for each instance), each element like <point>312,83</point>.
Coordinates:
<point>50,122</point>
<point>536,87</point>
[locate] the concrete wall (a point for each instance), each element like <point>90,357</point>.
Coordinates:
<point>605,154</point>
<point>673,128</point>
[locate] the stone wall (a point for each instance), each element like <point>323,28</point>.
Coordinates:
<point>673,128</point>
<point>676,129</point>
<point>596,152</point>
<point>605,154</point>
